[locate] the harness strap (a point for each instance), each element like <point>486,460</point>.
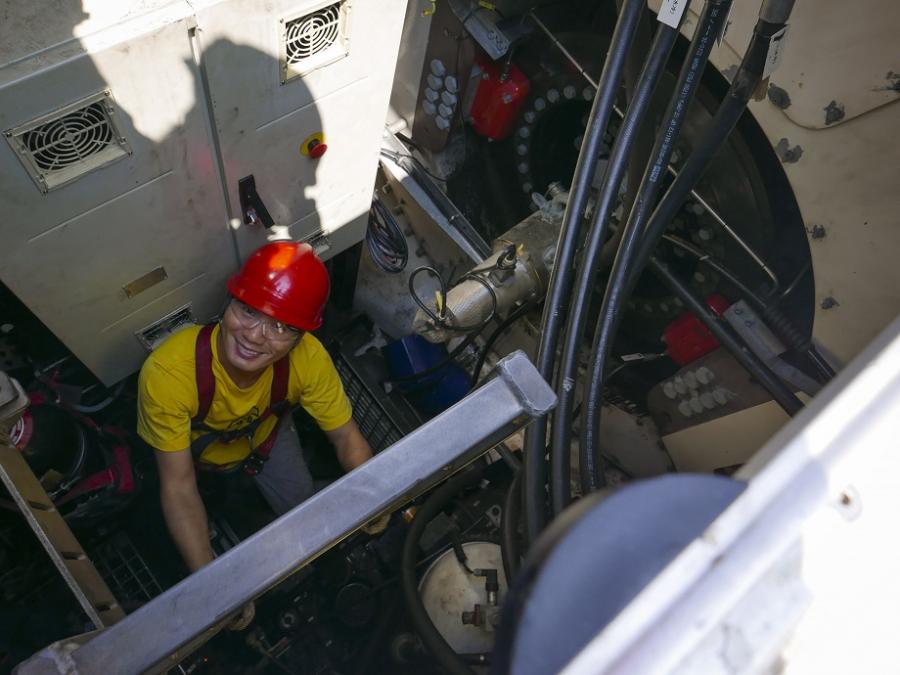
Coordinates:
<point>206,387</point>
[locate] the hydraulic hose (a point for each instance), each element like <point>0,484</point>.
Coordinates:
<point>643,142</point>
<point>711,23</point>
<point>746,80</point>
<point>535,477</point>
<point>781,393</point>
<point>509,522</point>
<point>615,171</point>
<point>448,659</point>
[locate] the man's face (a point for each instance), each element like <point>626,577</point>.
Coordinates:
<point>251,340</point>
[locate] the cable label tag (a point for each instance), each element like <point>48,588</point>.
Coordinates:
<point>776,51</point>
<point>670,12</point>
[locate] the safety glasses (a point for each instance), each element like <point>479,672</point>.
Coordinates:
<point>273,330</point>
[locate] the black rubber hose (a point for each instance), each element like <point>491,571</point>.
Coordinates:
<point>711,23</point>
<point>643,142</point>
<point>745,82</point>
<point>510,550</point>
<point>535,478</point>
<point>432,639</point>
<point>447,360</point>
<point>574,334</point>
<point>724,333</point>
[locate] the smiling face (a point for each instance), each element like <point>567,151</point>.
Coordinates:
<point>250,341</point>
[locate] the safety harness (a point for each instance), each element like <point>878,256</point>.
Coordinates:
<point>279,406</point>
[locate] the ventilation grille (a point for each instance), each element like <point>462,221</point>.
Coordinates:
<point>311,34</point>
<point>72,141</point>
<point>314,39</point>
<point>69,139</point>
<point>153,335</point>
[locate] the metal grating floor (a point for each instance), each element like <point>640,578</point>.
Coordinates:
<point>370,415</point>
<point>125,572</point>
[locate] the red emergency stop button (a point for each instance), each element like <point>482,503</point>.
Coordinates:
<point>314,146</point>
<point>317,149</point>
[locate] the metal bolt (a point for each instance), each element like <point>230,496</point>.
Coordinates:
<point>850,505</point>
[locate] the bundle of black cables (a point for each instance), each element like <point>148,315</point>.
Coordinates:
<point>386,242</point>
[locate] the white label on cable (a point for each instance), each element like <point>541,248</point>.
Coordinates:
<point>670,12</point>
<point>776,50</point>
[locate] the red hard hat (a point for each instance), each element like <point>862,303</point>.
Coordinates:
<point>285,280</point>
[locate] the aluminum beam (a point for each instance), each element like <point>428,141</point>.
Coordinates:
<point>165,630</point>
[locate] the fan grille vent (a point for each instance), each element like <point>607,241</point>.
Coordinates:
<point>70,142</point>
<point>313,33</point>
<point>69,139</point>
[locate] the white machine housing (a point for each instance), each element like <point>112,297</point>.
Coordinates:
<point>128,126</point>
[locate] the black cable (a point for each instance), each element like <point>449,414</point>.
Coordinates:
<point>469,339</point>
<point>709,27</point>
<point>514,316</point>
<point>745,82</point>
<point>535,479</point>
<point>431,637</point>
<point>415,296</point>
<point>616,168</point>
<point>725,334</point>
<point>440,320</point>
<point>718,266</point>
<point>385,240</point>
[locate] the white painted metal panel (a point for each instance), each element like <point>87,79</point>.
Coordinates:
<point>68,254</point>
<point>262,121</point>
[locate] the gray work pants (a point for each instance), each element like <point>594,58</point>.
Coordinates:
<point>285,480</point>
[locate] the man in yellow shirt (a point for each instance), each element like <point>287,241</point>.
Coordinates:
<point>219,397</point>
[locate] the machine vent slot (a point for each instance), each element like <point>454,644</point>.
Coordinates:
<point>70,142</point>
<point>313,33</point>
<point>153,335</point>
<point>314,39</point>
<point>70,139</point>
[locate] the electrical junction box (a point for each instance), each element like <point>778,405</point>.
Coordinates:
<point>127,128</point>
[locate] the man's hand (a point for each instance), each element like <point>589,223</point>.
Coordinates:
<point>242,620</point>
<point>350,445</point>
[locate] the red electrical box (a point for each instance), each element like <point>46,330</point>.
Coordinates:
<point>687,338</point>
<point>501,91</point>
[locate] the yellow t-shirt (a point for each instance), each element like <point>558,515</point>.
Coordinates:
<point>168,398</point>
